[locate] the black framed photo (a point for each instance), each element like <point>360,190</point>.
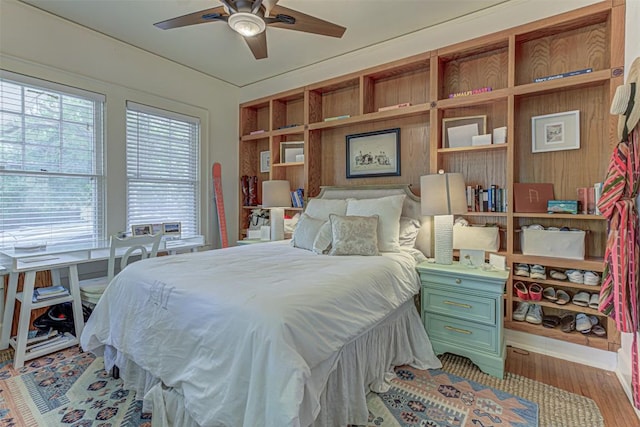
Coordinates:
<point>373,154</point>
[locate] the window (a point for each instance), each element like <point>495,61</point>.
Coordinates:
<point>51,162</point>
<point>162,168</point>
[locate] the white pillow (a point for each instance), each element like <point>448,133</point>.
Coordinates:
<point>354,235</point>
<point>306,232</point>
<point>409,229</point>
<point>322,243</point>
<point>389,210</point>
<point>322,208</point>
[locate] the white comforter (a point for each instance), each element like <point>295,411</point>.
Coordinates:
<point>238,331</point>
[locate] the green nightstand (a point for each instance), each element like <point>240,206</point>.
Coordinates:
<point>462,311</point>
<point>251,241</point>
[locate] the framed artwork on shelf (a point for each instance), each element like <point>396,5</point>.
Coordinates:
<point>141,229</point>
<point>290,151</point>
<point>459,131</point>
<point>373,154</point>
<point>265,161</point>
<point>555,132</point>
<point>171,228</point>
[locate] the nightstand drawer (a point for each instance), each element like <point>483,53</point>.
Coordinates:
<point>469,307</point>
<point>461,332</point>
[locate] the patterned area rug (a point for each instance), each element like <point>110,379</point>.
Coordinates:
<point>436,398</point>
<point>72,388</point>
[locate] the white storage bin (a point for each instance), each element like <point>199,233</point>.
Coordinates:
<point>484,238</point>
<point>552,243</point>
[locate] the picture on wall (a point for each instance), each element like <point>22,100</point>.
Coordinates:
<point>555,132</point>
<point>373,154</point>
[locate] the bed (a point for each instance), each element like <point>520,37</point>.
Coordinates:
<point>270,334</point>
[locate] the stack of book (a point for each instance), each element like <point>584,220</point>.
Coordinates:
<point>490,199</point>
<point>43,294</point>
<point>40,339</point>
<point>297,198</point>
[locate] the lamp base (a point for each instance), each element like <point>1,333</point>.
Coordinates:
<point>443,230</point>
<point>277,223</point>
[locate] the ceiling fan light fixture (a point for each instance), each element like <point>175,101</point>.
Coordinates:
<point>246,24</point>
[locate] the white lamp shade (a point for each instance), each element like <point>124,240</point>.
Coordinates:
<point>443,194</point>
<point>276,194</point>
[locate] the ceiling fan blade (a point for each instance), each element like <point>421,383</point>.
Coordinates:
<point>303,22</point>
<point>208,15</point>
<point>258,45</point>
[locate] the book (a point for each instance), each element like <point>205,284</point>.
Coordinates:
<point>255,132</point>
<point>38,335</point>
<point>582,199</point>
<point>53,341</point>
<point>43,294</point>
<point>562,75</point>
<point>598,193</point>
<point>345,116</point>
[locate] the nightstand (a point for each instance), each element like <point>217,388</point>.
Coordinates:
<point>462,311</point>
<point>251,241</point>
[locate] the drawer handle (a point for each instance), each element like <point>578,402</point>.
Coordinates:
<point>461,331</point>
<point>458,281</point>
<point>457,304</point>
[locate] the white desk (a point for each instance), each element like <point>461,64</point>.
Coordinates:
<point>56,258</point>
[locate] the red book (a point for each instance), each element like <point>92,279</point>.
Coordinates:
<point>583,199</point>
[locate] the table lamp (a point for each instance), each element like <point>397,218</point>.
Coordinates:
<point>276,196</point>
<point>442,196</point>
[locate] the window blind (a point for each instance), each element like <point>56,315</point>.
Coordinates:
<point>162,168</point>
<point>51,162</point>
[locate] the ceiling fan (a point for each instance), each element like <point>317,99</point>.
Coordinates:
<point>250,18</point>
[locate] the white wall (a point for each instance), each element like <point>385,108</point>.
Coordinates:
<point>41,45</point>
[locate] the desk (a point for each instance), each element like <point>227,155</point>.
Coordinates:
<point>56,258</point>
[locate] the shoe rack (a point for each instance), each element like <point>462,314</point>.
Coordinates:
<point>322,114</point>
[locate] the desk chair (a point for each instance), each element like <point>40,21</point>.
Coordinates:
<point>146,246</point>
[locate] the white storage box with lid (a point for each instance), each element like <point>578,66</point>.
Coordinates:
<point>476,237</point>
<point>553,243</point>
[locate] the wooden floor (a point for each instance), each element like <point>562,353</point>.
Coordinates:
<point>597,384</point>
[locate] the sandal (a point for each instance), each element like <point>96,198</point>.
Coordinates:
<point>581,299</point>
<point>550,294</point>
<point>594,301</point>
<point>583,323</point>
<point>568,323</point>
<point>550,321</point>
<point>535,292</point>
<point>598,330</point>
<point>563,297</point>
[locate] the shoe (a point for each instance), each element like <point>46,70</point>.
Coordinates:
<point>558,275</point>
<point>522,270</point>
<point>581,299</point>
<point>535,292</point>
<point>568,323</point>
<point>534,314</point>
<point>538,272</point>
<point>583,323</point>
<point>521,311</point>
<point>598,330</point>
<point>550,321</point>
<point>594,319</point>
<point>594,301</point>
<point>591,278</point>
<point>563,297</point>
<point>521,290</point>
<point>550,294</point>
<point>575,276</point>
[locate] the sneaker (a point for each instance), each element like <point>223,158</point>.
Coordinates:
<point>557,275</point>
<point>535,292</point>
<point>591,278</point>
<point>575,276</point>
<point>521,290</point>
<point>538,272</point>
<point>521,311</point>
<point>534,314</point>
<point>522,270</point>
<point>583,323</point>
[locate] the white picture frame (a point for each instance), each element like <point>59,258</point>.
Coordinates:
<point>265,161</point>
<point>171,228</point>
<point>141,229</point>
<point>472,258</point>
<point>555,132</point>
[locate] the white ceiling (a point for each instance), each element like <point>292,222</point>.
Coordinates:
<point>214,49</point>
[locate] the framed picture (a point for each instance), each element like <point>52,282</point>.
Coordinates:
<point>290,151</point>
<point>141,229</point>
<point>171,228</point>
<point>265,161</point>
<point>472,258</point>
<point>373,154</point>
<point>555,132</point>
<point>458,131</point>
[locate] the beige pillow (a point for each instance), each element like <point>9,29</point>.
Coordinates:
<point>389,210</point>
<point>306,232</point>
<point>322,208</point>
<point>409,229</point>
<point>354,235</point>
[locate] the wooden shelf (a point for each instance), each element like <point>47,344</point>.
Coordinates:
<point>557,283</point>
<point>508,62</point>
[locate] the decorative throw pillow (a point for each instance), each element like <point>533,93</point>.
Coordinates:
<point>354,235</point>
<point>322,208</point>
<point>322,243</point>
<point>306,232</point>
<point>389,210</point>
<point>409,229</point>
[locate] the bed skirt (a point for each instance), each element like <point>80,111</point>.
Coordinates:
<point>364,364</point>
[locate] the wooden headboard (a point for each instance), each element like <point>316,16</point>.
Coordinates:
<point>411,207</point>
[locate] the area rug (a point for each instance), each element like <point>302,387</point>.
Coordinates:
<point>72,388</point>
